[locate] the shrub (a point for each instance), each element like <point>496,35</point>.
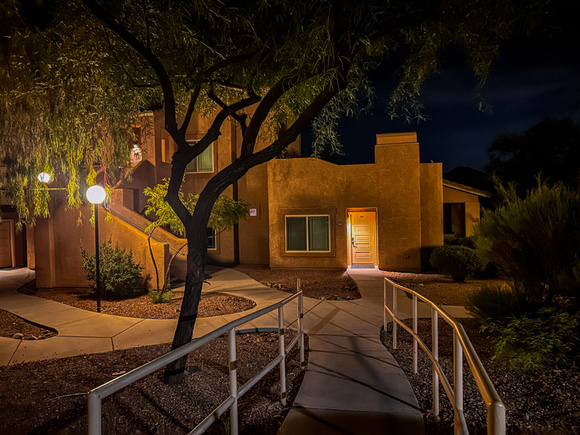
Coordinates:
<point>535,240</point>
<point>118,272</point>
<point>461,241</point>
<point>494,302</point>
<point>160,296</point>
<point>534,340</point>
<point>457,261</point>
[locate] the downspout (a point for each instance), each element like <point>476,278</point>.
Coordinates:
<point>236,228</point>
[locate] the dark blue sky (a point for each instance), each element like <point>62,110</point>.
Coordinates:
<point>531,79</point>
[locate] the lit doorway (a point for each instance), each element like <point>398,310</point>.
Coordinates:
<point>362,229</point>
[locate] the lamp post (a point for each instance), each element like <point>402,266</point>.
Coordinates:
<point>96,195</point>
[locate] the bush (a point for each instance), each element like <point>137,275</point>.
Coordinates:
<point>161,296</point>
<point>119,273</point>
<point>494,302</point>
<point>457,261</point>
<point>535,240</point>
<point>534,340</point>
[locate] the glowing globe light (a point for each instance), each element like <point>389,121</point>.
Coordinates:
<point>96,194</point>
<point>44,177</point>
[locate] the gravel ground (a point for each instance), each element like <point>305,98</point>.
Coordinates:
<point>49,397</point>
<point>439,288</point>
<point>140,306</point>
<point>15,327</point>
<point>330,284</point>
<point>537,401</point>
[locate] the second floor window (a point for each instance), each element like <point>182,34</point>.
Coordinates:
<point>202,163</point>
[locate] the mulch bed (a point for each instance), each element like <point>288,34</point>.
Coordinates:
<point>439,288</point>
<point>49,397</point>
<point>537,401</point>
<point>140,306</point>
<point>329,284</point>
<point>18,328</point>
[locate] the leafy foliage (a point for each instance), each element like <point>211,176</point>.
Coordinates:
<point>551,147</point>
<point>160,296</point>
<point>494,302</point>
<point>225,214</point>
<point>118,271</point>
<point>534,340</point>
<point>457,261</point>
<point>535,240</point>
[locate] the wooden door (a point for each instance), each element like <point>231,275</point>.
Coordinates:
<point>6,244</point>
<point>363,238</point>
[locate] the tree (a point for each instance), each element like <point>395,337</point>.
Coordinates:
<point>550,148</point>
<point>272,67</point>
<point>225,214</point>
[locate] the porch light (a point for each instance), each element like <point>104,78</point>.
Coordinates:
<point>44,177</point>
<point>96,195</point>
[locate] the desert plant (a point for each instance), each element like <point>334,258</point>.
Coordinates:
<point>119,273</point>
<point>534,340</point>
<point>160,296</point>
<point>457,261</point>
<point>535,240</point>
<point>494,302</point>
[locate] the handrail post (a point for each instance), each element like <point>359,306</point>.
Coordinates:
<point>94,410</point>
<point>457,380</point>
<point>415,351</point>
<point>301,320</point>
<point>283,360</point>
<point>395,315</point>
<point>385,306</point>
<point>233,383</point>
<point>435,350</point>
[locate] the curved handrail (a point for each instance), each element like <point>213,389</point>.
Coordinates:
<point>494,405</point>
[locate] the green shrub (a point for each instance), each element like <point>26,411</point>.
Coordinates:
<point>457,261</point>
<point>534,240</point>
<point>161,296</point>
<point>461,241</point>
<point>535,340</point>
<point>118,272</point>
<point>494,302</point>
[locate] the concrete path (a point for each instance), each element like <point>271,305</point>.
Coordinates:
<point>82,332</point>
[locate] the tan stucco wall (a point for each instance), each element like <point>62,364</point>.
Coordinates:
<point>58,240</point>
<point>312,186</point>
<point>431,209</point>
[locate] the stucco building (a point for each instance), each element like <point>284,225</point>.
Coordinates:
<point>304,212</point>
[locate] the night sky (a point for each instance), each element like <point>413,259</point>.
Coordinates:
<point>532,79</point>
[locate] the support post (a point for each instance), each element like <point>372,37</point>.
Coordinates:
<point>94,411</point>
<point>415,350</point>
<point>395,315</point>
<point>301,321</point>
<point>457,379</point>
<point>384,306</point>
<point>282,354</point>
<point>435,350</point>
<point>233,382</point>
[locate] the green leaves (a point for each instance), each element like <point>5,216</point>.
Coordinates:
<point>225,214</point>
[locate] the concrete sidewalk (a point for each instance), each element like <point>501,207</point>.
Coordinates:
<point>83,332</point>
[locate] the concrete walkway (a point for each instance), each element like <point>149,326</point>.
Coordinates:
<point>352,385</point>
<point>83,332</point>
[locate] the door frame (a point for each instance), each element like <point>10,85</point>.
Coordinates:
<point>351,210</point>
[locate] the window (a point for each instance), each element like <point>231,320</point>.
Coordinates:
<point>211,238</point>
<point>308,233</point>
<point>203,162</point>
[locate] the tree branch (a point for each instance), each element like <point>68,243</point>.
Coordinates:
<point>190,109</point>
<point>168,95</point>
<point>240,118</point>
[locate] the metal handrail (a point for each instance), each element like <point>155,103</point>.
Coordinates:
<point>461,346</point>
<point>96,395</point>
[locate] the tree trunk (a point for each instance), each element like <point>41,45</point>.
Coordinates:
<point>175,372</point>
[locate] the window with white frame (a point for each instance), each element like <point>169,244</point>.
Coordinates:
<point>211,239</point>
<point>203,162</point>
<point>308,233</point>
